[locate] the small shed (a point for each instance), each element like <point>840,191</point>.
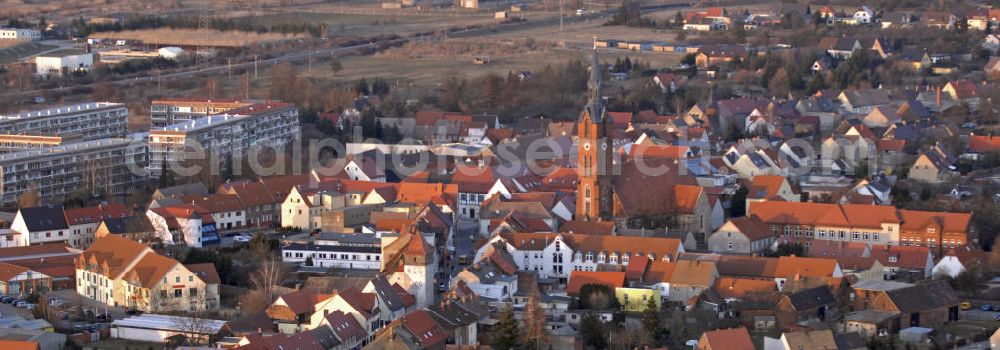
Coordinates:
<point>915,334</point>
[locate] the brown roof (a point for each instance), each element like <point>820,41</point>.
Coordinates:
<point>421,324</point>
<point>9,271</point>
<point>205,271</point>
<point>216,203</point>
<point>41,249</point>
<point>151,269</point>
<point>686,198</point>
<point>752,227</point>
<point>902,256</point>
<point>598,228</point>
<point>19,345</point>
<point>694,272</point>
<point>727,339</point>
<point>578,279</point>
<point>659,271</point>
<point>117,252</point>
<point>739,288</point>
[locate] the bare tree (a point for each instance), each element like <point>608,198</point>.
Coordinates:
<point>30,197</point>
<point>534,322</point>
<point>195,329</point>
<point>268,275</point>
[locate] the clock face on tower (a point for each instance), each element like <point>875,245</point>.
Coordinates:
<point>604,146</point>
<point>586,146</point>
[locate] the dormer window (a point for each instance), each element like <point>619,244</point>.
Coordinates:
<point>600,257</point>
<point>590,256</point>
<point>892,259</point>
<point>625,259</point>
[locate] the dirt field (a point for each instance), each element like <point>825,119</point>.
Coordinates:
<point>191,37</point>
<point>375,24</point>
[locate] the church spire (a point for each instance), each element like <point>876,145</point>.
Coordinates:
<point>595,103</point>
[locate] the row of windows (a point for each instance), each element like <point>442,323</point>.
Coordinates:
<point>367,257</point>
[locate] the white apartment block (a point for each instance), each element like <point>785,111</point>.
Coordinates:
<point>19,34</point>
<point>110,166</point>
<point>239,131</point>
<point>346,251</point>
<point>91,121</point>
<point>62,63</point>
<point>168,112</point>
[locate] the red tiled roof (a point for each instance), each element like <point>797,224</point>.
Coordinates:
<point>96,214</point>
<point>421,324</point>
<point>345,326</point>
<point>790,266</point>
<point>620,119</point>
<point>578,279</point>
<point>636,267</point>
<point>891,145</point>
<point>739,288</point>
<point>9,271</point>
<point>727,339</point>
<point>901,256</point>
<point>984,143</point>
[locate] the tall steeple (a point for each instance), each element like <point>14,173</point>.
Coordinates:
<point>595,102</point>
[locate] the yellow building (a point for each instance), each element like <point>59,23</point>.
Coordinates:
<point>635,299</point>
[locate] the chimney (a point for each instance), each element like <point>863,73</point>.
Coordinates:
<point>937,96</point>
<point>798,277</point>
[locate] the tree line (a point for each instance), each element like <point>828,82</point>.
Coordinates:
<point>244,24</point>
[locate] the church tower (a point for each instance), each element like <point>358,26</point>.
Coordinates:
<point>594,197</point>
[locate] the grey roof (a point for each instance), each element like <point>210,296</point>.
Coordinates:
<point>179,190</point>
<point>349,238</point>
<point>870,316</point>
<point>812,298</point>
<point>924,297</point>
<point>386,293</point>
<point>43,219</point>
<point>452,314</point>
<point>325,337</point>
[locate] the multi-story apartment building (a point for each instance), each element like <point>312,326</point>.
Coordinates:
<point>556,255</point>
<point>870,224</point>
<point>238,131</point>
<point>17,143</point>
<point>167,112</point>
<point>120,272</point>
<point>108,166</point>
<point>92,121</point>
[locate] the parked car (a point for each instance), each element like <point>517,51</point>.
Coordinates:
<point>7,299</point>
<point>132,312</point>
<point>242,239</point>
<point>966,305</point>
<point>233,234</point>
<point>986,307</point>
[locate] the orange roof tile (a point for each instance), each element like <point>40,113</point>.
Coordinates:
<point>727,339</point>
<point>739,288</point>
<point>984,143</point>
<point>578,279</point>
<point>789,266</point>
<point>95,214</point>
<point>9,271</point>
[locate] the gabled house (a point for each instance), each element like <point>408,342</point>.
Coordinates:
<point>120,272</point>
<point>183,225</point>
<point>742,235</point>
<point>40,225</point>
<point>933,165</point>
<point>290,311</point>
<point>904,261</point>
<point>928,305</point>
<point>863,101</point>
